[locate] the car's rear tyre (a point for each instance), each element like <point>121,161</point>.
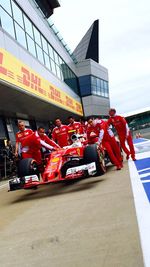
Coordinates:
<point>93,154</point>
<point>27,167</point>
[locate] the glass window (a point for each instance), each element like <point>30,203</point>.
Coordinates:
<point>6,5</point>
<point>56,58</point>
<point>28,26</point>
<point>58,72</point>
<point>44,43</point>
<point>40,53</point>
<point>106,90</point>
<point>102,93</point>
<point>7,23</point>
<point>70,73</point>
<point>51,52</point>
<point>93,89</point>
<point>20,35</point>
<point>37,36</point>
<point>47,62</point>
<point>17,13</point>
<point>65,71</point>
<point>98,91</point>
<point>60,60</point>
<point>105,85</point>
<point>98,84</point>
<point>31,45</point>
<point>93,80</point>
<point>73,75</point>
<point>53,66</point>
<point>61,75</point>
<point>102,84</point>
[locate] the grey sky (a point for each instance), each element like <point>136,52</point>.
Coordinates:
<point>124,44</point>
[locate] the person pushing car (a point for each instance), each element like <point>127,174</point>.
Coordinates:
<point>99,132</point>
<point>123,132</point>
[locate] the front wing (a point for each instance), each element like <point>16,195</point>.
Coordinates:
<point>32,181</point>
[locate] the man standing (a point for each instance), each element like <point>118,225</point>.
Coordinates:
<point>60,133</point>
<point>74,127</point>
<point>123,132</point>
<point>21,135</point>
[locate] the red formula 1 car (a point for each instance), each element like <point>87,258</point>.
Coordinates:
<point>67,163</point>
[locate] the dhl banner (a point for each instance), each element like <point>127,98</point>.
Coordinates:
<point>19,74</point>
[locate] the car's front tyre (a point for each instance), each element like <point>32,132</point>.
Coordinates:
<point>93,154</point>
<point>27,167</point>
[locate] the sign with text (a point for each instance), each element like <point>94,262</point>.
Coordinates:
<point>17,73</point>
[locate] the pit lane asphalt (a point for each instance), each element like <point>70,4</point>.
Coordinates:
<point>86,223</point>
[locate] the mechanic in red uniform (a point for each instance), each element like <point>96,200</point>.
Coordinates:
<point>123,132</point>
<point>21,135</point>
<point>84,124</point>
<point>41,133</point>
<point>60,133</point>
<point>99,132</point>
<point>35,142</point>
<point>45,142</point>
<point>73,127</point>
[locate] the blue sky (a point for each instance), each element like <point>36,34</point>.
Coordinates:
<point>124,44</point>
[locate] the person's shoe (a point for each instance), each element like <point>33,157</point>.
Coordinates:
<point>121,165</point>
<point>118,168</point>
<point>133,158</point>
<point>127,157</point>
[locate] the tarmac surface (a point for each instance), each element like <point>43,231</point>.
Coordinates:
<point>87,223</point>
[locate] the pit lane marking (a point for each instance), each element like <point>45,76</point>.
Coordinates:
<point>140,181</point>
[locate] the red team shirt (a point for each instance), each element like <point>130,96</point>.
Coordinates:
<point>21,136</point>
<point>94,130</point>
<point>60,135</point>
<point>92,134</point>
<point>119,123</point>
<point>47,140</point>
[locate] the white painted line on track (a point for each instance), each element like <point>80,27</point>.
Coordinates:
<point>146,169</point>
<point>144,175</point>
<point>145,181</point>
<point>141,200</point>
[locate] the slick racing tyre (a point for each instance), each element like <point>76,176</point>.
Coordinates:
<point>28,167</point>
<point>93,154</point>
